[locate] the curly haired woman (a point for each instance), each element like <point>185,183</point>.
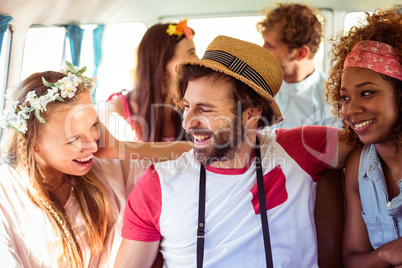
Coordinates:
<point>365,88</point>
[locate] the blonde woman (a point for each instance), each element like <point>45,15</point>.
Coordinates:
<point>59,205</point>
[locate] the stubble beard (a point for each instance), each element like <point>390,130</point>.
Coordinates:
<point>224,144</point>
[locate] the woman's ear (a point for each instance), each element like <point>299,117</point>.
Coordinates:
<point>36,148</point>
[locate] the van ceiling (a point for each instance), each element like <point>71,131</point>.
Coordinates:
<point>50,12</point>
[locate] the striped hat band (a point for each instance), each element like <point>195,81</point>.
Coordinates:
<point>237,66</point>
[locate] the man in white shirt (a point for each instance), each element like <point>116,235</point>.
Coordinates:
<point>292,33</point>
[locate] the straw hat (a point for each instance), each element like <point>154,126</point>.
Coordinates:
<point>247,62</point>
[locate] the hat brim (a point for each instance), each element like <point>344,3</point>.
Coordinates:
<point>216,66</point>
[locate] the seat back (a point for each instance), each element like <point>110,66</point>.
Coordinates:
<point>329,214</point>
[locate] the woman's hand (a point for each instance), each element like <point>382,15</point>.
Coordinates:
<point>392,252</point>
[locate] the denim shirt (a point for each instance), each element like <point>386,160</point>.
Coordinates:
<point>383,217</point>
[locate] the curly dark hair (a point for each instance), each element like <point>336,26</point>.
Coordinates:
<point>301,25</point>
<point>384,26</point>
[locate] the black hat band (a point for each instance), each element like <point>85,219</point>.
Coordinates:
<point>237,66</point>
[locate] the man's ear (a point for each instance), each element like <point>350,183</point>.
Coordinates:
<point>303,52</point>
<point>252,115</point>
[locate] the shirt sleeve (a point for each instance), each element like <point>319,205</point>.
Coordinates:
<point>8,252</point>
<point>142,213</point>
<point>312,147</point>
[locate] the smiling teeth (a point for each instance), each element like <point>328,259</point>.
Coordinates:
<point>201,137</point>
<point>363,124</point>
<point>84,159</point>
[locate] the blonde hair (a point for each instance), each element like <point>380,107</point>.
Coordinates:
<point>92,196</point>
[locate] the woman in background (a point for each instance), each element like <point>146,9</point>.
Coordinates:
<point>146,109</point>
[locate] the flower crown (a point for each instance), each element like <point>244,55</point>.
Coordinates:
<point>16,115</point>
<point>179,29</point>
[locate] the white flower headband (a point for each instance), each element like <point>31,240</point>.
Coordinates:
<point>66,87</point>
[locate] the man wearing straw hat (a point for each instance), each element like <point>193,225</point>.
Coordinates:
<point>243,197</point>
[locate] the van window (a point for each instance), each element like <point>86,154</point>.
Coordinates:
<point>43,50</point>
<point>244,27</point>
<point>4,64</point>
<point>47,49</point>
<point>206,29</point>
<point>116,71</point>
<point>353,19</point>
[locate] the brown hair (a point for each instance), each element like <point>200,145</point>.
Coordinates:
<point>242,93</point>
<point>155,50</point>
<point>382,26</point>
<point>300,25</point>
<point>91,196</point>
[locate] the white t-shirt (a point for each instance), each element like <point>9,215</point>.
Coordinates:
<point>27,238</point>
<point>164,204</point>
<point>303,103</point>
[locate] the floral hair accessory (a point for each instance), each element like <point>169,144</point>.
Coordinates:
<point>179,29</point>
<point>16,115</point>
